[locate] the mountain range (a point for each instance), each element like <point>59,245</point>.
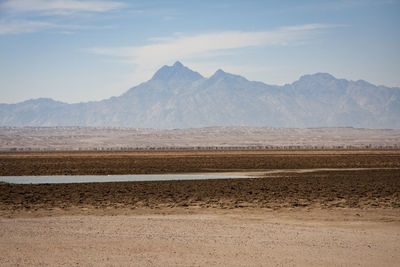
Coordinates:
<point>177,97</point>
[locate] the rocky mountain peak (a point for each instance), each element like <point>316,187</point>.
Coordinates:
<point>178,97</point>
<point>178,64</point>
<point>220,74</point>
<point>176,72</point>
<point>320,76</point>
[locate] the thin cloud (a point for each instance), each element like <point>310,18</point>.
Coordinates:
<point>60,6</point>
<point>16,27</point>
<point>32,26</point>
<point>165,50</point>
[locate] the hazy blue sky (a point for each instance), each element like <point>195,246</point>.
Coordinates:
<point>75,51</point>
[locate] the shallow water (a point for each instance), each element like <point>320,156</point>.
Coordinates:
<point>60,179</point>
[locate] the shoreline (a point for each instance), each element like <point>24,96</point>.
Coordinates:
<point>361,189</point>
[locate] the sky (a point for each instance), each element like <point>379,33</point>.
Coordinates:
<point>78,51</point>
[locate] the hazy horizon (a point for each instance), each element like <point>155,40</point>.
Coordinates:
<point>78,51</point>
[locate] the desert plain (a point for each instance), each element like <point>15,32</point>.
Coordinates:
<point>299,208</point>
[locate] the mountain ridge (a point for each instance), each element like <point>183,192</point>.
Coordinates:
<point>178,97</point>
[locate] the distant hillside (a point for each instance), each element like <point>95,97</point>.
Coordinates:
<point>99,138</point>
<point>177,97</point>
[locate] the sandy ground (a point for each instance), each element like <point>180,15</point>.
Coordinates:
<point>342,237</point>
<point>287,217</point>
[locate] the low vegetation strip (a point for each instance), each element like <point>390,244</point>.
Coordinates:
<point>209,138</point>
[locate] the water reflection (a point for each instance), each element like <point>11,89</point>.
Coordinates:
<point>111,178</point>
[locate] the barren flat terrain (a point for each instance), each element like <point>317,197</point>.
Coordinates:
<point>242,238</point>
<point>194,161</point>
<point>344,209</point>
<point>325,189</point>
